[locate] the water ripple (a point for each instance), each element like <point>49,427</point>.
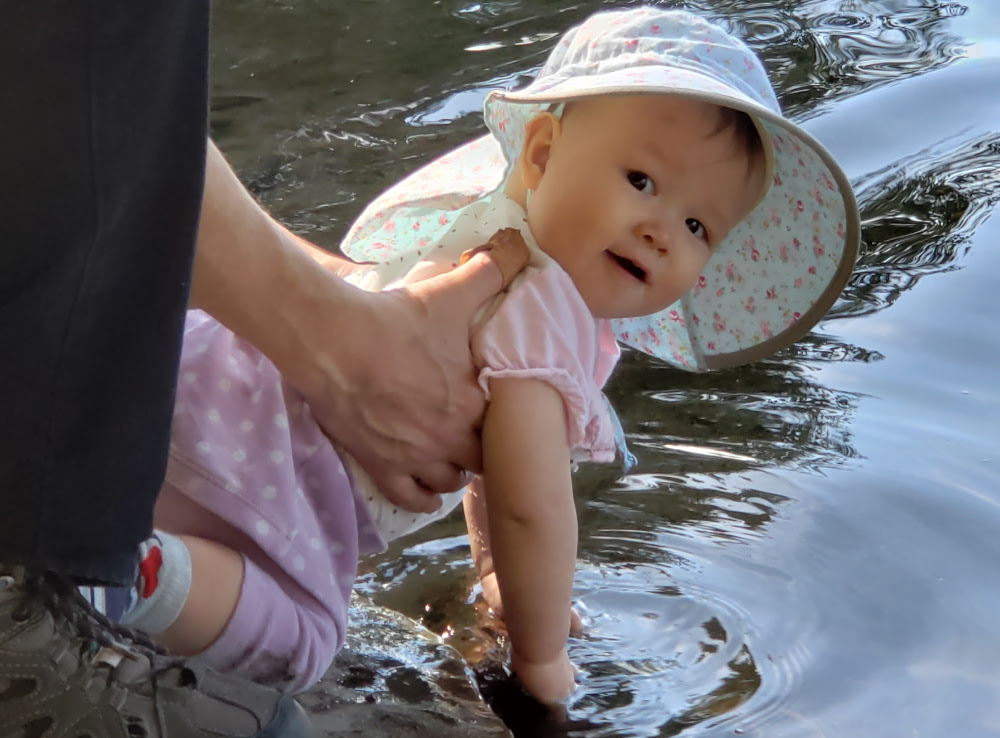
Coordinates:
<point>816,56</point>
<point>918,216</point>
<point>770,412</point>
<point>666,659</point>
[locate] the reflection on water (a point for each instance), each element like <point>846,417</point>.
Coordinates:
<point>919,216</point>
<point>773,565</point>
<point>332,87</point>
<point>771,412</point>
<point>818,52</point>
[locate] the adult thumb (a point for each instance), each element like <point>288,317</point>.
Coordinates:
<point>484,272</point>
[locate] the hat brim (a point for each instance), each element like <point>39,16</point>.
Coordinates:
<point>777,273</point>
<point>774,276</point>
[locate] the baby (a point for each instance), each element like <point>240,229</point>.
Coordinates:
<point>665,203</point>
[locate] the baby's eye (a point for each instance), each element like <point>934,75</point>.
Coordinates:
<point>697,229</point>
<point>641,181</point>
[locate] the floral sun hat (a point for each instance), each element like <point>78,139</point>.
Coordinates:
<point>773,277</point>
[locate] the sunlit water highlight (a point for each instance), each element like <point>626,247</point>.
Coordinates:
<point>808,546</point>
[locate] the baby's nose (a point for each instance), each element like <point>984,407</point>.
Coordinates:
<point>655,235</point>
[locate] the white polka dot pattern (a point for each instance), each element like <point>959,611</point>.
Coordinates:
<point>239,451</point>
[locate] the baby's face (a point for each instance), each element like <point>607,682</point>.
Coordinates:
<point>636,193</point>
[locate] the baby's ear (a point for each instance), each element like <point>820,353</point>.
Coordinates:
<point>540,134</point>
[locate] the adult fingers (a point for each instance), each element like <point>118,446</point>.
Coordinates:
<point>406,493</point>
<point>478,279</point>
<point>507,249</point>
<point>439,477</point>
<point>469,453</point>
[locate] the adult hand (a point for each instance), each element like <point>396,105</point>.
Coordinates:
<point>387,375</point>
<point>404,400</point>
<point>416,399</point>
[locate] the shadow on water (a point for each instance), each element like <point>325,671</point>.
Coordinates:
<point>700,622</point>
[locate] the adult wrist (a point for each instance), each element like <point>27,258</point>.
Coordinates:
<point>314,302</point>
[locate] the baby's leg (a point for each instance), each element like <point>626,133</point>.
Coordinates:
<point>215,585</point>
<point>243,613</point>
<point>276,636</point>
<point>187,590</point>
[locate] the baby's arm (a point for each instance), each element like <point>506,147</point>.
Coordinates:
<point>532,530</point>
<point>477,521</point>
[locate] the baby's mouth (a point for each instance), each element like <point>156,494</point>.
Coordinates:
<point>629,266</point>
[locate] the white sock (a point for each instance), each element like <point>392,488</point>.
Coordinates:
<point>163,585</point>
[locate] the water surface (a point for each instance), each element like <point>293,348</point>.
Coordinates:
<point>809,545</point>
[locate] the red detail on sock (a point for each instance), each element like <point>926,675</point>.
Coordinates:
<point>149,569</point>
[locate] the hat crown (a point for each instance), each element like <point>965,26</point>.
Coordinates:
<point>650,41</point>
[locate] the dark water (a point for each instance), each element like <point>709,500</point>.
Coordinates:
<point>810,546</point>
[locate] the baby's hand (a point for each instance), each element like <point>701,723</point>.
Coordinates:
<point>549,683</point>
<point>491,595</point>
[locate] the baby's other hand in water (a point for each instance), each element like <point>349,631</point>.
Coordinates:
<point>491,595</point>
<point>549,683</point>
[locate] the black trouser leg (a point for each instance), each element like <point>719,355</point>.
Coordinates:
<point>102,152</point>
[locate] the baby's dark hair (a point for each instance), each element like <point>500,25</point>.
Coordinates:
<point>746,133</point>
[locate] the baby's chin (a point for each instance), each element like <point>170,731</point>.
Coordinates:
<point>659,307</point>
<point>624,313</point>
<point>632,306</point>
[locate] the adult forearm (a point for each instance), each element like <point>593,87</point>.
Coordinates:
<point>259,279</point>
<point>410,422</point>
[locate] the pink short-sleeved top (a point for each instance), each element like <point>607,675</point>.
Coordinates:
<point>543,330</point>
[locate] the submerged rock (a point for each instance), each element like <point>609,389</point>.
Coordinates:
<point>396,678</point>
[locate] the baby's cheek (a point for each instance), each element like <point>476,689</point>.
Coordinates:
<point>697,267</point>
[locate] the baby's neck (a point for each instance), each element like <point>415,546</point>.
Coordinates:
<point>516,191</point>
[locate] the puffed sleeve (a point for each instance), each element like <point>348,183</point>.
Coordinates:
<point>543,330</point>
